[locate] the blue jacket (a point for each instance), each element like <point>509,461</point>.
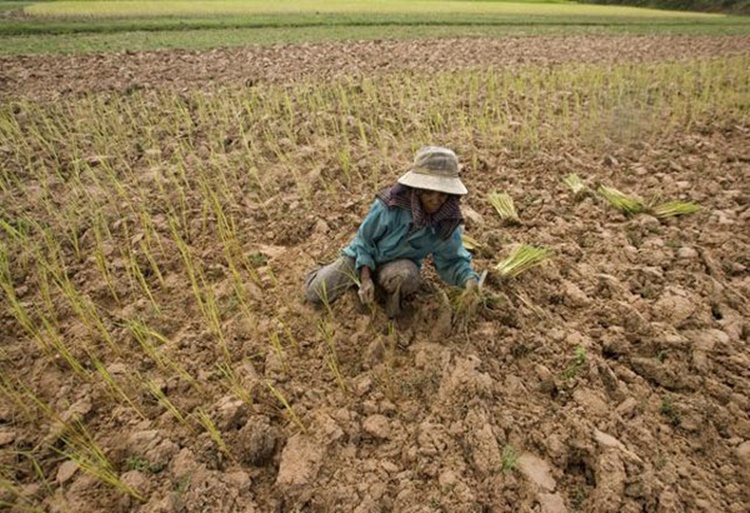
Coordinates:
<point>384,236</point>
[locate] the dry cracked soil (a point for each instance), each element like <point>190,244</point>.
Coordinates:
<point>613,378</point>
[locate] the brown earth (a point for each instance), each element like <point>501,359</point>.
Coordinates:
<point>655,418</point>
<point>51,75</point>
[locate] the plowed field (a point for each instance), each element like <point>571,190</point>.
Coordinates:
<point>160,211</point>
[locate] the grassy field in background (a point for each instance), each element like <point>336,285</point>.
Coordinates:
<point>109,9</point>
<point>94,26</point>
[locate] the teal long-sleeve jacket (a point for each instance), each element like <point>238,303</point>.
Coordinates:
<point>384,236</point>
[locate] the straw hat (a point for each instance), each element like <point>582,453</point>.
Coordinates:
<point>435,169</point>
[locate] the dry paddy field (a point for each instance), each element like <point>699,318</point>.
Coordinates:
<point>159,211</point>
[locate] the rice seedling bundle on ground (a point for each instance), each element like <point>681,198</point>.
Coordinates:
<point>629,205</point>
<point>674,208</point>
<point>505,207</point>
<point>521,259</point>
<point>576,185</point>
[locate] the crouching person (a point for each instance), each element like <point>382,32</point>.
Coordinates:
<point>418,216</point>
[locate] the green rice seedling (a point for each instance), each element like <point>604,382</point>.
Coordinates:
<point>143,336</point>
<point>629,205</point>
<point>505,207</point>
<point>289,335</point>
<point>80,446</point>
<point>674,208</point>
<point>147,338</point>
<point>323,295</point>
<point>333,366</point>
<point>115,388</point>
<point>576,185</point>
<point>579,358</point>
<point>205,420</point>
<point>212,311</point>
<point>100,259</point>
<point>19,503</point>
<point>141,279</point>
<point>17,394</point>
<point>465,304</point>
<point>233,384</point>
<point>38,471</point>
<point>287,407</point>
<point>521,259</point>
<point>279,350</point>
<point>49,337</point>
<point>86,311</point>
<point>163,400</point>
<point>667,408</point>
<point>146,251</point>
<point>86,453</point>
<point>332,359</point>
<point>579,355</point>
<point>187,261</point>
<point>509,459</point>
<point>10,230</point>
<point>17,309</point>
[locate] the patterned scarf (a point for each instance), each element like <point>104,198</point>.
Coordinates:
<point>445,220</point>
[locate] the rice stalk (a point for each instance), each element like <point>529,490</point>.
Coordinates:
<point>504,206</point>
<point>674,208</point>
<point>212,430</point>
<point>576,185</point>
<point>465,304</point>
<point>279,350</point>
<point>233,383</point>
<point>470,242</point>
<point>521,259</point>
<point>115,388</point>
<point>84,451</point>
<point>288,407</point>
<point>164,401</point>
<point>629,205</point>
<point>332,359</point>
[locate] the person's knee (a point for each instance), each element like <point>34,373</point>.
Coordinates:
<point>400,275</point>
<point>313,296</point>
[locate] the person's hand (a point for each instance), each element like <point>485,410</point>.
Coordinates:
<point>366,291</point>
<point>467,304</point>
<point>366,286</point>
<point>471,296</point>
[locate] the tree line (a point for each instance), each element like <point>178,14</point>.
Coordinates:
<point>726,6</point>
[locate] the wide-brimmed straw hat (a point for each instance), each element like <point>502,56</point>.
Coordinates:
<point>435,169</point>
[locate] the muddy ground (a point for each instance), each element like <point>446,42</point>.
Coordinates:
<point>614,378</point>
<point>52,75</point>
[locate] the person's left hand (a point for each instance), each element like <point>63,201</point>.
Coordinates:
<point>366,291</point>
<point>471,284</point>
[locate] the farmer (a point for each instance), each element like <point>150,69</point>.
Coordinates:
<point>418,216</point>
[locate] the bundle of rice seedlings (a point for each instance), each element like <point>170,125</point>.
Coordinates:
<point>466,303</point>
<point>470,242</point>
<point>674,208</point>
<point>521,259</point>
<point>504,205</point>
<point>575,184</point>
<point>629,205</point>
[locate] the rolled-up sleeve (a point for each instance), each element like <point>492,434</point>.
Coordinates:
<point>364,246</point>
<point>453,261</point>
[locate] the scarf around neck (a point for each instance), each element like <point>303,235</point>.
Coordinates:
<point>445,220</point>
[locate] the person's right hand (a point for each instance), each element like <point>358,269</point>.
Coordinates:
<point>366,291</point>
